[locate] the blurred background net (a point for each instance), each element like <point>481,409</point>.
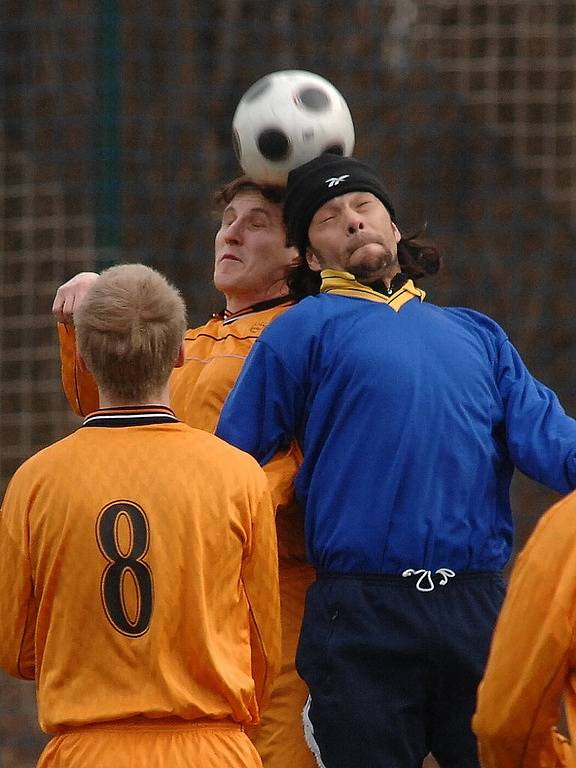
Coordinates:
<point>115,131</point>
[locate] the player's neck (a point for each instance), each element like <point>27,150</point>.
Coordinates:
<point>161,397</point>
<point>239,303</point>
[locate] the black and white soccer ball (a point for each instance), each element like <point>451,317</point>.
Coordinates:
<point>286,119</point>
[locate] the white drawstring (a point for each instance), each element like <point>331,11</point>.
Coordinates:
<point>425,582</point>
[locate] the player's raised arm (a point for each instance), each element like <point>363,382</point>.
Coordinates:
<point>70,296</point>
<point>78,383</point>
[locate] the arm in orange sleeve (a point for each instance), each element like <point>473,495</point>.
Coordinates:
<point>281,471</point>
<point>533,652</point>
<point>17,606</point>
<point>78,383</point>
<point>260,578</point>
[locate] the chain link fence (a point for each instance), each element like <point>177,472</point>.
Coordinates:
<point>115,131</point>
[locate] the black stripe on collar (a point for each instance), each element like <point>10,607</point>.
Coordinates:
<point>130,416</point>
<point>228,317</point>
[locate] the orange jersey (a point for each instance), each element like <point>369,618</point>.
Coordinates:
<point>139,575</point>
<point>532,661</point>
<point>215,353</point>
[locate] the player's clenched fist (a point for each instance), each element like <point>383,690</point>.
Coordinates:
<point>71,294</point>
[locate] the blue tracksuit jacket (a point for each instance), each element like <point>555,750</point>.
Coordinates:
<point>410,423</point>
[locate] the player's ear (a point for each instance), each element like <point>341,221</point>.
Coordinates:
<point>181,357</point>
<point>312,260</point>
<point>397,233</point>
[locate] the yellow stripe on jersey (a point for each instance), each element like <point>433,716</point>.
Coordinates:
<point>345,284</point>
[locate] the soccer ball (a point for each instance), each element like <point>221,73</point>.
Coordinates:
<point>286,119</point>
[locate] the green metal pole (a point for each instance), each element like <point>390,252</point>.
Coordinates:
<point>107,138</point>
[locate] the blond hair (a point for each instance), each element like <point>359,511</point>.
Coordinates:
<point>129,329</point>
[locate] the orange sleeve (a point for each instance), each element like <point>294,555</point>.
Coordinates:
<point>260,579</point>
<point>281,471</point>
<point>79,385</point>
<point>533,652</point>
<point>17,606</point>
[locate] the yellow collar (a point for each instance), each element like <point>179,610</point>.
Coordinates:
<point>345,284</point>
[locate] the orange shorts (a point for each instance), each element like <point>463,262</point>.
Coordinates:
<point>114,745</point>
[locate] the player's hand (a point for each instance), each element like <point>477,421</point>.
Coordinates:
<point>70,296</point>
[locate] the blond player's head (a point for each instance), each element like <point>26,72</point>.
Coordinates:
<point>129,332</point>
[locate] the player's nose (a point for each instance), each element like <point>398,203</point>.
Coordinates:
<point>354,224</point>
<point>233,233</point>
